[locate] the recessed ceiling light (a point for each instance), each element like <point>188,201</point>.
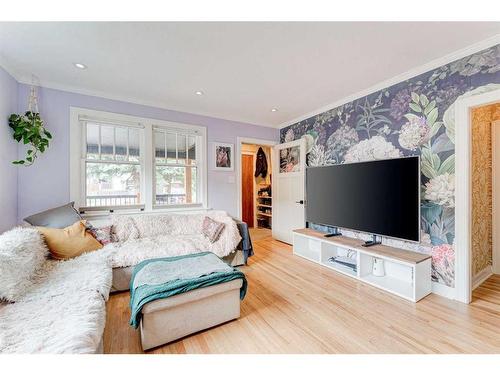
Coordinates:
<point>274,109</point>
<point>199,92</point>
<point>80,65</point>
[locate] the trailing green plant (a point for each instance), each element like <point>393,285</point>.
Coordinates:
<point>29,129</point>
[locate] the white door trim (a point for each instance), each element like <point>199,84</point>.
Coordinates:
<point>239,142</point>
<point>495,191</point>
<point>463,269</point>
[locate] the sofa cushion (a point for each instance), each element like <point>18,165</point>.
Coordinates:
<point>59,217</point>
<point>22,253</point>
<point>69,242</point>
<point>211,229</point>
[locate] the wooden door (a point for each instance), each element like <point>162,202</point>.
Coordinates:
<point>247,197</point>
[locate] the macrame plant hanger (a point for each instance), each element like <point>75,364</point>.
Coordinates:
<point>33,98</point>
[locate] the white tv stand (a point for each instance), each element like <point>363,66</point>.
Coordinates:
<point>407,273</point>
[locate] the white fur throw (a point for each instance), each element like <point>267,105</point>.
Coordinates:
<point>63,311</point>
<point>164,235</point>
<point>22,253</point>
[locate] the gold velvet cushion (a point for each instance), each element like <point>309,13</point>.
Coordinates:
<point>69,242</point>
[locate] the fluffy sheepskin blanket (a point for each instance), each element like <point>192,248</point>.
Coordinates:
<point>153,236</point>
<point>22,254</point>
<point>63,311</point>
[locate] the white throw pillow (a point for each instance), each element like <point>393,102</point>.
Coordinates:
<point>22,252</point>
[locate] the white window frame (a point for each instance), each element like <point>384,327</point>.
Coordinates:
<point>147,161</point>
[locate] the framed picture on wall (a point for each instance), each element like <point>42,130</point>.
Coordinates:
<point>223,156</point>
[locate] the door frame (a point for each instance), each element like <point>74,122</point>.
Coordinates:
<point>239,142</point>
<point>463,217</point>
<point>495,191</point>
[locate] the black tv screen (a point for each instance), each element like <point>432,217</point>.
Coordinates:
<point>379,197</point>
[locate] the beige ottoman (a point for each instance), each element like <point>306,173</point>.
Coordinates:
<point>169,319</point>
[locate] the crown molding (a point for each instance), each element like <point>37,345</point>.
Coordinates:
<point>436,63</point>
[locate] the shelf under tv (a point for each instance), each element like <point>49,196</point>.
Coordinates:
<point>407,273</point>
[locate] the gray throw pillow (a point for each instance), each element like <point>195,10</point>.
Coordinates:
<point>59,217</point>
<point>211,229</point>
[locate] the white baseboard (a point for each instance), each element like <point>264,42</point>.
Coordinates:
<point>481,277</point>
<point>443,290</point>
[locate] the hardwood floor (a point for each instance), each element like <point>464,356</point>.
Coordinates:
<point>295,306</point>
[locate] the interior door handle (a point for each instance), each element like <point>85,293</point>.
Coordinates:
<point>300,202</point>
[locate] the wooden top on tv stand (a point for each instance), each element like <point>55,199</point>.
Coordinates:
<point>406,256</point>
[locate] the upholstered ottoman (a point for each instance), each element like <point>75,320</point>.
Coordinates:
<point>175,297</point>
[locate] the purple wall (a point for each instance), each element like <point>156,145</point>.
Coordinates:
<point>8,152</point>
<point>46,184</point>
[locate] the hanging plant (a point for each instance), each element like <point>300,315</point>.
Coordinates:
<point>29,129</point>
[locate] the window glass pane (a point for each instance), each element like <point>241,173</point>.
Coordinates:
<point>92,141</point>
<point>110,184</point>
<point>171,148</point>
<point>191,150</point>
<point>181,149</point>
<point>159,139</point>
<point>134,142</point>
<point>175,185</point>
<point>107,140</point>
<point>121,143</point>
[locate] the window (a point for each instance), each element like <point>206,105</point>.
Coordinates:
<point>175,171</point>
<point>135,163</point>
<point>112,165</point>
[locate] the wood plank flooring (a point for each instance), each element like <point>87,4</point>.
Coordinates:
<point>295,306</point>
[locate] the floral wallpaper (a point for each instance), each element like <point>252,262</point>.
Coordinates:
<point>414,117</point>
<point>481,176</point>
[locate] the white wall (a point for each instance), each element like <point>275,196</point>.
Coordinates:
<point>8,152</point>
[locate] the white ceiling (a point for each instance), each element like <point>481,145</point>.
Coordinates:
<point>244,69</point>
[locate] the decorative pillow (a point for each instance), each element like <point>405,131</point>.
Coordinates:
<point>22,252</point>
<point>212,229</point>
<point>102,234</point>
<point>69,242</point>
<point>59,217</point>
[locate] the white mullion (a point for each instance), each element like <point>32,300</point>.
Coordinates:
<point>114,142</point>
<point>99,143</point>
<point>128,144</point>
<point>165,145</point>
<point>176,149</point>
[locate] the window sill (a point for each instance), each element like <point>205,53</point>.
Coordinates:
<point>156,210</point>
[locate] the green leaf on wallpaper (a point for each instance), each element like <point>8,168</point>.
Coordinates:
<point>442,144</point>
<point>435,128</point>
<point>415,107</point>
<point>432,116</point>
<point>411,116</point>
<point>429,107</point>
<point>448,166</point>
<point>431,212</point>
<point>423,100</point>
<point>415,97</point>
<point>430,163</point>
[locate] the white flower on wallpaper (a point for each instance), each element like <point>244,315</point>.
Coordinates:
<point>341,140</point>
<point>441,190</point>
<point>319,156</point>
<point>414,133</point>
<point>375,148</point>
<point>289,135</point>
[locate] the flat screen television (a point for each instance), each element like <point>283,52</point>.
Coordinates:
<point>378,197</point>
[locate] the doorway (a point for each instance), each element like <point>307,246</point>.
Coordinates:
<point>255,184</point>
<point>485,192</point>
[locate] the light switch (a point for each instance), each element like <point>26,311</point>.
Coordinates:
<point>231,179</point>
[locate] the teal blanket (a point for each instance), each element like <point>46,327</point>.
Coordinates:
<point>160,278</point>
